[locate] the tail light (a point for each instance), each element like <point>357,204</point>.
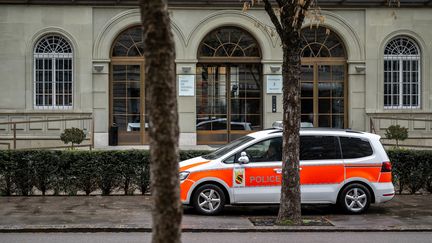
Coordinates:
<point>386,167</point>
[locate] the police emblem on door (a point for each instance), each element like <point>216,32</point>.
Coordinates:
<point>239,177</point>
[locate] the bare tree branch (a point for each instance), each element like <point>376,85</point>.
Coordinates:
<point>269,9</point>
<point>280,3</point>
<point>302,16</point>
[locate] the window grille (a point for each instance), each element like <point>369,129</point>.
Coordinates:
<point>129,43</point>
<point>401,74</point>
<point>229,42</point>
<point>53,73</point>
<point>321,42</point>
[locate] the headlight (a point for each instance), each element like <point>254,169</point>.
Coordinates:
<point>183,175</point>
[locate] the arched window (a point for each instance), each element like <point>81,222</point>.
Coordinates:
<point>53,73</point>
<point>128,109</point>
<point>401,74</point>
<point>321,42</point>
<point>129,43</point>
<point>228,86</point>
<point>323,79</point>
<point>229,42</point>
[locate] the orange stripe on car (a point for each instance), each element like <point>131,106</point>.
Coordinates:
<point>324,174</point>
<point>184,188</point>
<point>225,175</point>
<point>385,177</point>
<point>186,167</point>
<point>370,173</point>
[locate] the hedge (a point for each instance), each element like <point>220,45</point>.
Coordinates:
<point>412,170</point>
<point>105,172</point>
<point>73,172</point>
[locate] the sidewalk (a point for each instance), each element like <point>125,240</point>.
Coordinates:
<point>133,213</point>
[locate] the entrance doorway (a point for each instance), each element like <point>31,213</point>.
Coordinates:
<point>324,79</point>
<point>229,86</point>
<point>127,88</point>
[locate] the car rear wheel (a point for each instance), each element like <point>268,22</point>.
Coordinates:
<point>208,199</point>
<point>355,199</point>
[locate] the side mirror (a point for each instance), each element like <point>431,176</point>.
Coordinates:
<point>244,159</point>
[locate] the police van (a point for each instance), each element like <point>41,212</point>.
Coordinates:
<point>343,167</point>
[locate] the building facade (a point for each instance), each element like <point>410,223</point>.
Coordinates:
<point>76,59</point>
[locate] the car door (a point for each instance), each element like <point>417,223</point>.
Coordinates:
<point>321,168</point>
<point>360,160</point>
<point>259,180</point>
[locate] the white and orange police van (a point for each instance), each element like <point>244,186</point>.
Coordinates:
<point>343,167</point>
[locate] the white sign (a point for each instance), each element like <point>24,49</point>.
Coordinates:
<point>274,84</point>
<point>186,85</point>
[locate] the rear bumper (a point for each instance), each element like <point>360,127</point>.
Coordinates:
<point>383,192</point>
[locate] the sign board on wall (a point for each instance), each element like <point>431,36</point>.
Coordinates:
<point>274,84</point>
<point>186,85</point>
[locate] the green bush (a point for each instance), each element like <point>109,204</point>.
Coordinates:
<point>397,133</point>
<point>70,172</point>
<point>22,172</point>
<point>6,174</point>
<point>72,135</point>
<point>43,165</point>
<point>412,169</point>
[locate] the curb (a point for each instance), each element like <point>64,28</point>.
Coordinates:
<point>126,228</point>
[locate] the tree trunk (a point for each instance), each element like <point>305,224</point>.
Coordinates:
<point>159,54</point>
<point>290,207</point>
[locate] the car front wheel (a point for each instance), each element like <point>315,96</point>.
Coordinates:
<point>355,199</point>
<point>208,199</point>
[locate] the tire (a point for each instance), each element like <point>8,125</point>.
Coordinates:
<point>208,199</point>
<point>355,199</point>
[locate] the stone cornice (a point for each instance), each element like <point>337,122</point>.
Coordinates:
<point>322,3</point>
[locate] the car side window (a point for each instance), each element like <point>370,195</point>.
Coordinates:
<point>269,150</point>
<point>319,148</point>
<point>230,160</point>
<point>355,147</point>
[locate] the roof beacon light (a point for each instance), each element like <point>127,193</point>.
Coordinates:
<point>279,125</point>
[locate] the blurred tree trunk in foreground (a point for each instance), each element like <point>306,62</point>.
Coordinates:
<point>160,81</point>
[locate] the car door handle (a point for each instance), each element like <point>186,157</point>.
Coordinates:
<point>278,171</point>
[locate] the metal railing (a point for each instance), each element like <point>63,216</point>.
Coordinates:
<point>14,138</point>
<point>373,129</point>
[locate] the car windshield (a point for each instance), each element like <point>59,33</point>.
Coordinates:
<point>227,148</point>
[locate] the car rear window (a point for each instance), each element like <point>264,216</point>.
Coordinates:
<point>319,148</point>
<point>355,147</point>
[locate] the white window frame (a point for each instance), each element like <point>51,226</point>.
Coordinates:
<point>400,58</point>
<point>53,56</point>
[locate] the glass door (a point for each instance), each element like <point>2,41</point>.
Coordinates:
<point>228,102</point>
<point>127,103</point>
<point>323,95</point>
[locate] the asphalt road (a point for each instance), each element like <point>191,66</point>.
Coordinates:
<point>381,237</point>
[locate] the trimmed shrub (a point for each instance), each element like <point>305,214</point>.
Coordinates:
<point>70,172</point>
<point>44,166</point>
<point>397,133</point>
<point>411,169</point>
<point>22,172</point>
<point>6,174</point>
<point>72,135</point>
<point>83,171</point>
